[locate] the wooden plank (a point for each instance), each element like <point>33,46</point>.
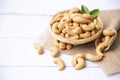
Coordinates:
<point>51,73</point>
<point>44,7</point>
<point>20,52</point>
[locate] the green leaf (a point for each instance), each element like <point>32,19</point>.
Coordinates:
<point>94,13</point>
<point>84,10</point>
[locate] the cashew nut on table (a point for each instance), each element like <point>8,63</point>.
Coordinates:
<point>60,62</point>
<point>54,51</point>
<point>39,49</point>
<point>78,61</point>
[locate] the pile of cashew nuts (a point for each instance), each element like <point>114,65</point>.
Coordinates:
<point>72,24</point>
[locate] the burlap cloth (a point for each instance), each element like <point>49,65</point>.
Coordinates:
<point>111,62</point>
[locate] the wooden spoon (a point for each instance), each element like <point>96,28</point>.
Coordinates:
<point>114,26</point>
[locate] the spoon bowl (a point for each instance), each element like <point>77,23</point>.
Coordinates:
<point>114,26</point>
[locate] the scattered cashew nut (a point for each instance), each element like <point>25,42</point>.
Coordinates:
<point>54,51</point>
<point>75,57</point>
<point>39,48</point>
<point>60,62</point>
<point>92,57</point>
<point>78,61</point>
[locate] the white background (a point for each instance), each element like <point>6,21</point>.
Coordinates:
<point>22,22</point>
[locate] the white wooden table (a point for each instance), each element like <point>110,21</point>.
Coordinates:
<point>21,23</point>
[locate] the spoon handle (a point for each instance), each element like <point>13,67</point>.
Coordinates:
<point>115,24</point>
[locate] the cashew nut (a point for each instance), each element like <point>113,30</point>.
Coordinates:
<point>97,24</point>
<point>62,45</point>
<point>62,34</point>
<point>39,48</point>
<point>103,39</point>
<point>67,36</point>
<point>72,30</point>
<point>56,18</point>
<point>99,50</point>
<point>74,10</point>
<point>64,31</point>
<point>93,32</point>
<point>92,57</point>
<point>60,63</point>
<point>75,37</point>
<point>85,35</point>
<point>78,61</point>
<point>76,24</point>
<point>66,18</point>
<point>87,16</point>
<point>88,27</point>
<point>102,45</point>
<point>75,31</point>
<point>55,28</point>
<point>54,51</point>
<point>56,42</point>
<point>79,19</point>
<point>75,57</point>
<point>95,21</point>
<point>108,32</point>
<point>97,27</point>
<point>69,46</point>
<point>74,14</point>
<point>61,26</point>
